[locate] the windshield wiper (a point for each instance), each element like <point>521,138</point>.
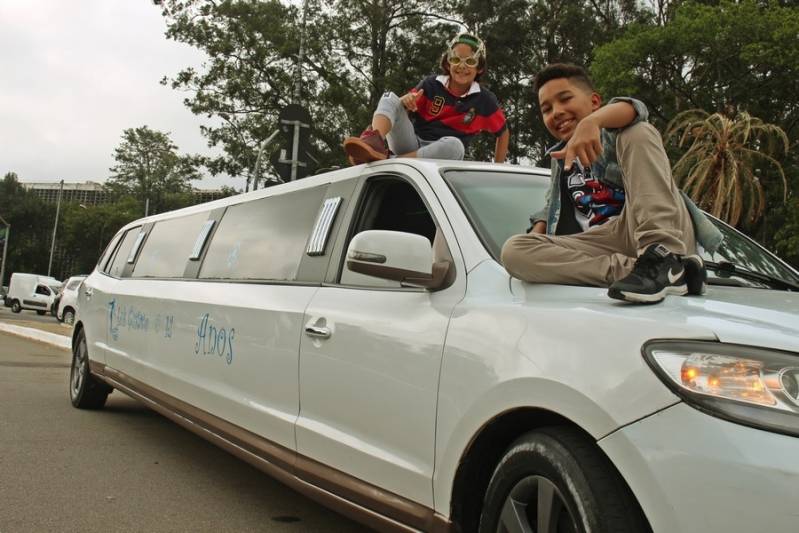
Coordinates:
<point>725,269</point>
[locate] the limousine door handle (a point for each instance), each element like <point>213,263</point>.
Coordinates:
<point>88,291</point>
<point>318,332</point>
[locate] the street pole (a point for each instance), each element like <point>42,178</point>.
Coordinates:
<point>295,147</point>
<point>55,227</point>
<point>5,249</point>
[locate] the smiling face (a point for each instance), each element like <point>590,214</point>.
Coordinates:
<point>564,103</point>
<point>462,74</point>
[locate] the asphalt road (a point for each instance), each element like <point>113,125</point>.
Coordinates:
<point>25,315</point>
<point>124,468</point>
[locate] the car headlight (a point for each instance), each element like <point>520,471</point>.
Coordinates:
<point>757,387</point>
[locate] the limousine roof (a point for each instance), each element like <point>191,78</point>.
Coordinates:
<point>426,166</point>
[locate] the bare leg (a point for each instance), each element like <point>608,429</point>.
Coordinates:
<point>382,124</point>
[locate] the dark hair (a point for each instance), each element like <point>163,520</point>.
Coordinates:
<point>556,71</point>
<point>467,40</point>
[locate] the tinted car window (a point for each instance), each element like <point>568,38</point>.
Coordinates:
<point>168,246</point>
<point>743,252</point>
<point>123,250</point>
<point>103,262</point>
<point>498,204</point>
<point>263,239</point>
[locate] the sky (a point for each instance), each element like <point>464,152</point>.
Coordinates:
<point>75,74</point>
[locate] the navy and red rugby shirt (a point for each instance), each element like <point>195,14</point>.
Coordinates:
<point>440,113</point>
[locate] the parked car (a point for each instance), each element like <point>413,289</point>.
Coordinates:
<point>67,301</point>
<point>354,335</point>
<point>31,291</point>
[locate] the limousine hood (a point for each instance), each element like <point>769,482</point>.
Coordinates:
<point>756,317</point>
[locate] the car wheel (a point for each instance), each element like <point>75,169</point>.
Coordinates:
<point>15,307</point>
<point>40,312</point>
<point>68,317</point>
<point>85,391</point>
<point>557,479</point>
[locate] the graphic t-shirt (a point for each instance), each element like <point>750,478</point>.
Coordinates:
<point>594,202</point>
<point>440,113</point>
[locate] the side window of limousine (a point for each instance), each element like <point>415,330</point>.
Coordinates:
<point>120,259</point>
<point>263,239</point>
<point>168,247</point>
<point>392,203</point>
<point>104,262</point>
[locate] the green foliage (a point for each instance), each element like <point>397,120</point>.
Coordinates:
<point>31,226</point>
<point>83,233</point>
<point>149,167</point>
<point>727,57</point>
<point>712,57</point>
<point>722,156</point>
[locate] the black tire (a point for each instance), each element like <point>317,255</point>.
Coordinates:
<point>40,312</point>
<point>68,316</point>
<point>15,307</point>
<point>85,391</point>
<point>557,479</point>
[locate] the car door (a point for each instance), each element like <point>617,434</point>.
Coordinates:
<point>41,298</point>
<point>368,387</point>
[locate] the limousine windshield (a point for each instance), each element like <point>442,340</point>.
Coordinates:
<point>499,205</point>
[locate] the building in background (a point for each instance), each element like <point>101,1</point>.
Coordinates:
<point>93,193</point>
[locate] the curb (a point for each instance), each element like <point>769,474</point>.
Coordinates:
<point>60,341</point>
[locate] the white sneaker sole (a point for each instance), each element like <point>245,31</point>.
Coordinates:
<point>638,298</point>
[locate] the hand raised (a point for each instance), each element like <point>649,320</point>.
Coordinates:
<point>410,99</point>
<point>584,144</point>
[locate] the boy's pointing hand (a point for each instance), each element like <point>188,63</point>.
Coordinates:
<point>584,144</point>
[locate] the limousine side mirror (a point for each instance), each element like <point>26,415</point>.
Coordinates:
<point>396,256</point>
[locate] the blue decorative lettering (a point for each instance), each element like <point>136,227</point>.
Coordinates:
<point>214,340</point>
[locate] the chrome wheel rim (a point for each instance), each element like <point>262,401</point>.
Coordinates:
<point>69,318</point>
<point>535,505</point>
<point>79,369</point>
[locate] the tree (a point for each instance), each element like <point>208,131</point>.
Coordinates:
<point>149,168</point>
<point>743,54</point>
<point>31,226</point>
<point>84,232</point>
<point>721,167</point>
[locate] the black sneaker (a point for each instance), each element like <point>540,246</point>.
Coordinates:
<point>657,272</point>
<point>695,274</point>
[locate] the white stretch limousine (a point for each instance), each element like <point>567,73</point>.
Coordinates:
<point>353,335</point>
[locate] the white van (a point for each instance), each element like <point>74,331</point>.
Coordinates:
<point>354,335</point>
<point>32,291</point>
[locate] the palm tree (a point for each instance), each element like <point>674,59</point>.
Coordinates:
<point>720,168</point>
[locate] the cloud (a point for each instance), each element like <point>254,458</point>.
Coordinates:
<point>76,74</point>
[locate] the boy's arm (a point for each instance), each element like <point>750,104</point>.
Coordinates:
<point>501,149</point>
<point>585,142</point>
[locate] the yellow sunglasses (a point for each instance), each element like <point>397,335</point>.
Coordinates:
<point>471,61</point>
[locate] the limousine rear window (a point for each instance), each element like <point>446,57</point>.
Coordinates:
<point>120,256</point>
<point>168,247</point>
<point>263,239</point>
<point>321,231</point>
